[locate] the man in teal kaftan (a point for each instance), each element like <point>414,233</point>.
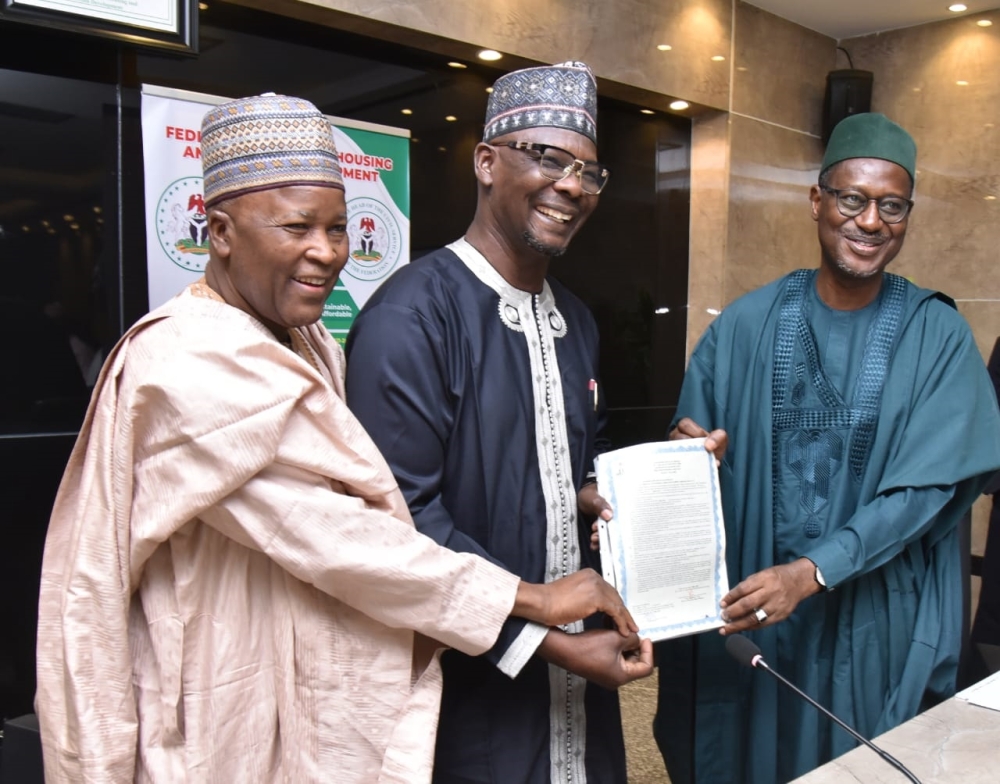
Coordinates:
<point>862,425</point>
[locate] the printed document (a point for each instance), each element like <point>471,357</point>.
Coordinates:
<point>665,548</point>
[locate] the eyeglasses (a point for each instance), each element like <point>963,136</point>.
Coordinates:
<point>851,203</point>
<point>556,164</point>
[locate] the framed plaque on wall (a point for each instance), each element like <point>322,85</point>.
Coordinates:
<point>162,24</point>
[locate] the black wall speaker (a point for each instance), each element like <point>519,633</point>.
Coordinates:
<point>847,92</point>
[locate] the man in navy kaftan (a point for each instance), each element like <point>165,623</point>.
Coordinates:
<point>862,425</point>
<point>476,375</point>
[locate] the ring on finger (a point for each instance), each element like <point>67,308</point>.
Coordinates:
<point>760,615</point>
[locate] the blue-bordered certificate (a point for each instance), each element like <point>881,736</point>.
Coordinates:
<point>665,548</point>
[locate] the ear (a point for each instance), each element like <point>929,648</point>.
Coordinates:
<point>815,199</point>
<point>220,232</point>
<point>484,159</point>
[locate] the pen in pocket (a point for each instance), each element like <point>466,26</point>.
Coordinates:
<point>592,386</point>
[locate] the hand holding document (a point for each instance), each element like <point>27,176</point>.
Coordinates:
<point>665,548</point>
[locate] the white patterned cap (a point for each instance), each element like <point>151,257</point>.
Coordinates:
<point>563,95</point>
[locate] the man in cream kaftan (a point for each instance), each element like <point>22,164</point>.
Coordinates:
<point>256,626</point>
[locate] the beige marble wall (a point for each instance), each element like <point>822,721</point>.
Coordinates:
<point>617,39</point>
<point>770,228</point>
<point>710,146</point>
<point>767,158</point>
<point>954,234</point>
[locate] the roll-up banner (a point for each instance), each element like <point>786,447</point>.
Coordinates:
<point>375,160</point>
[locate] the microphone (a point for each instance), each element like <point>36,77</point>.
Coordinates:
<point>748,654</point>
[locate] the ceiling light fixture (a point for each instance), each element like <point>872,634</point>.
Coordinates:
<point>454,64</point>
<point>990,197</point>
<point>489,90</point>
<point>717,58</point>
<point>202,6</point>
<point>962,83</point>
<point>647,111</point>
<point>406,111</point>
<point>451,118</point>
<point>664,47</point>
<point>957,8</point>
<point>985,23</point>
<point>679,106</point>
<point>489,55</point>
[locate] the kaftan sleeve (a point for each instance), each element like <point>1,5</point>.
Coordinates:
<point>397,373</point>
<point>937,465</point>
<point>366,558</point>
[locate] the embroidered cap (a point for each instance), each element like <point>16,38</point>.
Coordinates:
<point>871,135</point>
<point>266,141</point>
<point>559,96</point>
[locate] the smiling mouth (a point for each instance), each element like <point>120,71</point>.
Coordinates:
<point>555,215</point>
<point>317,283</point>
<point>866,244</point>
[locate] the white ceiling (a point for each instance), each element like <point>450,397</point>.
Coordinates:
<point>848,18</point>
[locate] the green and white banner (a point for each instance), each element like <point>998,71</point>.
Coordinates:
<point>375,160</point>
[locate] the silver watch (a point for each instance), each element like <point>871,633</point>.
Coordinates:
<point>820,579</point>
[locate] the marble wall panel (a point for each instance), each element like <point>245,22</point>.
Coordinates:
<point>617,39</point>
<point>771,231</point>
<point>780,69</point>
<point>709,217</point>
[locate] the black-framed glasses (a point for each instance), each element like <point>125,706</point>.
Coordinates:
<point>851,203</point>
<point>556,164</point>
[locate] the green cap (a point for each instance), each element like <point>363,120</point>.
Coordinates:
<point>871,135</point>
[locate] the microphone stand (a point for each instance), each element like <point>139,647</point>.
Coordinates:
<point>759,663</point>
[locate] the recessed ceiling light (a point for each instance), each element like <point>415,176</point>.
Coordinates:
<point>100,220</point>
<point>202,6</point>
<point>741,68</point>
<point>50,230</point>
<point>489,90</point>
<point>984,23</point>
<point>97,209</point>
<point>415,140</point>
<point>664,47</point>
<point>990,197</point>
<point>717,58</point>
<point>45,223</point>
<point>962,83</point>
<point>679,106</point>
<point>68,218</point>
<point>451,118</point>
<point>958,7</point>
<point>454,64</point>
<point>26,229</point>
<point>442,149</point>
<point>406,111</point>
<point>916,89</point>
<point>647,111</point>
<point>489,55</point>
<point>74,225</point>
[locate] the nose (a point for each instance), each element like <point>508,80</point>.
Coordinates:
<point>572,183</point>
<point>325,249</point>
<point>869,219</point>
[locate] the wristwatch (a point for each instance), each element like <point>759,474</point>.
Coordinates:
<point>820,579</point>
